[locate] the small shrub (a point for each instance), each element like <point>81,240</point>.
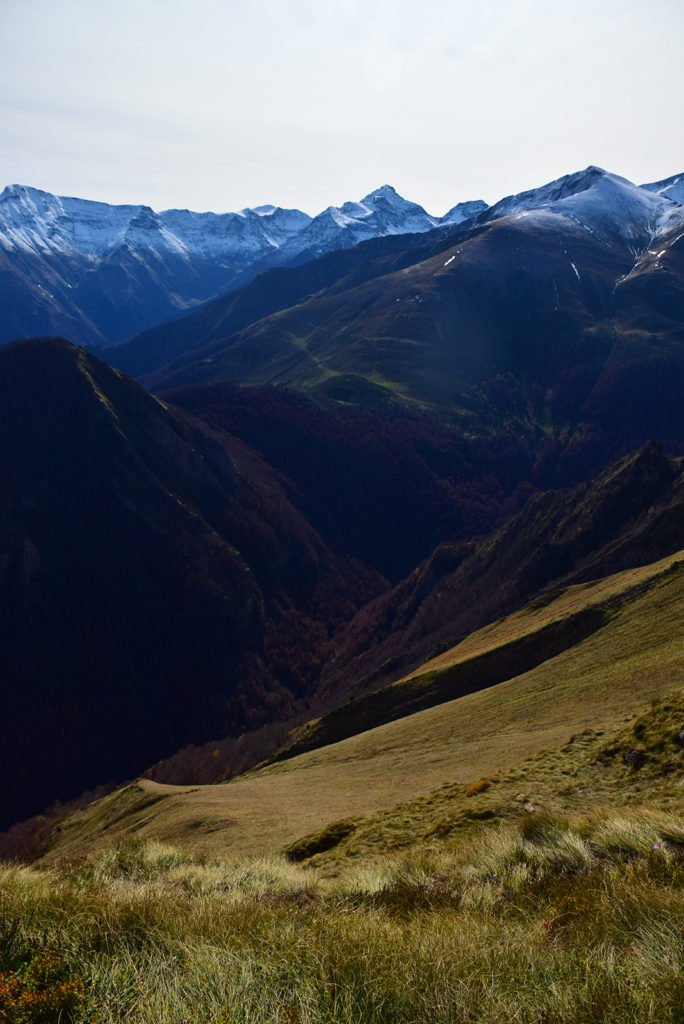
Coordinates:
<point>41,994</point>
<point>478,787</point>
<point>36,986</point>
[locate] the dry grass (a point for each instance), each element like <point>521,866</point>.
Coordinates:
<point>554,922</point>
<point>591,770</point>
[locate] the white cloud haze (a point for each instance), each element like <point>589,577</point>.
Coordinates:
<point>221,105</point>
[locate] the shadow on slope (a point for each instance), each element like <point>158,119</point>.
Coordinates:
<point>156,585</point>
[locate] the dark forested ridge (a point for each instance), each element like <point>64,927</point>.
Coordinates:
<point>385,484</point>
<point>156,584</point>
<point>631,514</point>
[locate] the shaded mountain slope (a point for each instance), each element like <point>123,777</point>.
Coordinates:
<point>155,582</point>
<point>272,291</point>
<point>440,329</point>
<point>504,325</point>
<point>385,485</point>
<point>629,515</point>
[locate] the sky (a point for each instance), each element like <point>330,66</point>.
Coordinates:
<point>223,104</point>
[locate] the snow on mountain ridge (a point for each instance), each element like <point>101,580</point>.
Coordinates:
<point>601,203</point>
<point>462,212</point>
<point>99,273</point>
<point>41,223</point>
<point>70,260</point>
<point>381,212</point>
<point>36,221</point>
<point>671,188</point>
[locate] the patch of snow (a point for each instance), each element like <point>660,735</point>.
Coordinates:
<point>625,277</point>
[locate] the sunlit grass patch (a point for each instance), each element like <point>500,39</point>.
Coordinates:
<point>640,832</point>
<point>550,920</point>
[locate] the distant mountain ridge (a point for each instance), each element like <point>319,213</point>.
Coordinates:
<point>100,273</point>
<point>549,307</point>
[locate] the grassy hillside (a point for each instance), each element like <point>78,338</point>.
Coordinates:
<point>532,870</point>
<point>552,625</point>
<point>597,772</point>
<point>471,904</point>
<point>636,654</point>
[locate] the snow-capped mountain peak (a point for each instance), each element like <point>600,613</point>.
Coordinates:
<point>70,255</point>
<point>462,212</point>
<point>386,193</point>
<point>606,205</point>
<point>147,219</point>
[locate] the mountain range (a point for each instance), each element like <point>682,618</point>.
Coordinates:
<point>391,431</point>
<point>100,273</point>
<point>553,312</point>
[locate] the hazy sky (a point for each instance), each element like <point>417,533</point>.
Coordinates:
<point>221,104</point>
